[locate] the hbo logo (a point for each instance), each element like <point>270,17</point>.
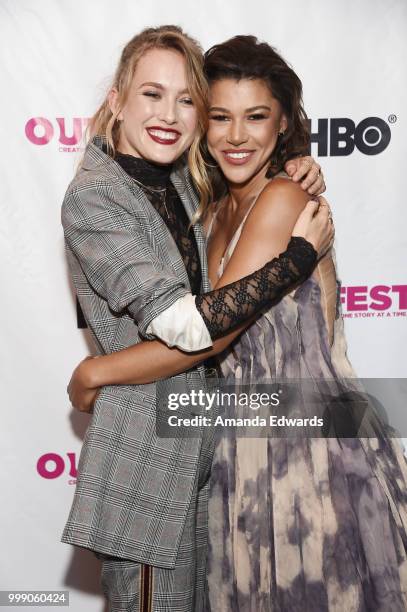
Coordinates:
<point>371,136</point>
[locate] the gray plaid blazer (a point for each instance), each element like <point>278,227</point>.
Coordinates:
<point>134,488</point>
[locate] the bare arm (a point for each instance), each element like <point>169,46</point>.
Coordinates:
<point>268,228</point>
<point>266,233</point>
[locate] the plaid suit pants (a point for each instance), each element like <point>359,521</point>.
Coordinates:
<point>135,587</point>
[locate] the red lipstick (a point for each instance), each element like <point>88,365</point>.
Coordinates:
<point>165,136</point>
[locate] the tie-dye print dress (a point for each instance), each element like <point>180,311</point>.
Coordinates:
<point>305,524</point>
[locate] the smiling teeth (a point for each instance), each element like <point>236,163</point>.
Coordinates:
<point>163,135</point>
<point>238,155</point>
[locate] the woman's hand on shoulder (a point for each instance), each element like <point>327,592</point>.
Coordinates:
<point>315,224</point>
<point>307,172</point>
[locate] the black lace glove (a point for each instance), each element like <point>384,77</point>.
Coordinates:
<point>227,307</point>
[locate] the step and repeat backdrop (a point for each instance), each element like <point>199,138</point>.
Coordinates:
<point>57,62</point>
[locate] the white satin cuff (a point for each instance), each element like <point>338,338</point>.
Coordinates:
<point>181,325</point>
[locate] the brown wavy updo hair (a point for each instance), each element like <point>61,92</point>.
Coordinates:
<point>245,57</point>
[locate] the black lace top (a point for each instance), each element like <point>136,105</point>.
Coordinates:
<point>164,197</point>
<point>225,308</point>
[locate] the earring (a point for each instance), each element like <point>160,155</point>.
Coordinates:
<point>281,134</point>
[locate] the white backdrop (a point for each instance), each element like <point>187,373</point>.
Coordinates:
<point>57,60</point>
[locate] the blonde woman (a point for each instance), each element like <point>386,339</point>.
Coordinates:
<point>140,501</point>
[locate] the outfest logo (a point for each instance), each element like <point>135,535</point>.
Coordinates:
<point>382,301</point>
<point>53,465</point>
<point>68,133</point>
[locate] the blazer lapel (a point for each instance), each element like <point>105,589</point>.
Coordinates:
<point>180,178</point>
<point>139,204</point>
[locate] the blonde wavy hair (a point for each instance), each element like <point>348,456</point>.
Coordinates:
<point>104,122</point>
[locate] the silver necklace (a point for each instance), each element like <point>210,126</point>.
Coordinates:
<point>162,191</point>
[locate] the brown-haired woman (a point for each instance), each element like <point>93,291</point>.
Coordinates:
<point>140,501</point>
<point>295,523</point>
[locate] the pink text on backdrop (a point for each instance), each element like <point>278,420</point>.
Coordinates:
<point>52,465</point>
<point>40,130</point>
<point>377,297</point>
